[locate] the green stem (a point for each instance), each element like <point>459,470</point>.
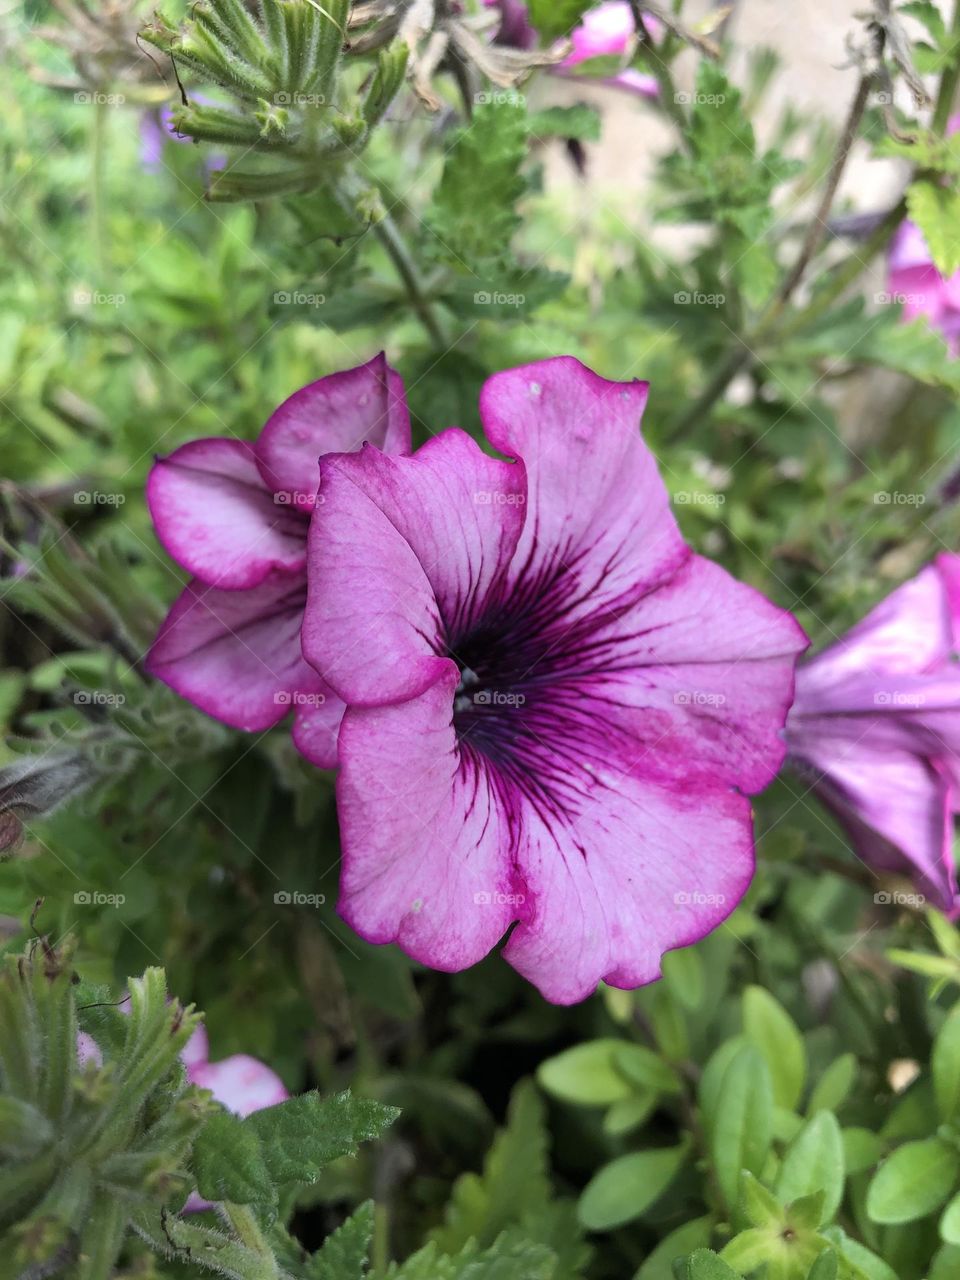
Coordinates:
<point>389,236</point>
<point>380,1253</point>
<point>98,150</point>
<point>247,1230</point>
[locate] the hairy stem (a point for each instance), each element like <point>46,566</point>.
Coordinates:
<point>389,236</point>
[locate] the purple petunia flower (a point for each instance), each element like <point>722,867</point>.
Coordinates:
<point>236,515</point>
<point>555,710</point>
<point>876,722</point>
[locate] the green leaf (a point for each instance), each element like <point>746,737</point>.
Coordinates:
<point>683,974</point>
<point>578,121</point>
<point>760,1206</point>
<point>744,1116</point>
<point>514,1182</point>
<point>510,1257</point>
<point>867,1263</point>
<point>645,1069</point>
<point>936,211</point>
<point>627,1186</point>
<point>814,1162</point>
<point>587,1074</point>
<point>300,1137</point>
<point>228,1162</point>
<point>833,1087</point>
<point>692,1235</point>
<point>344,1254</point>
<point>946,1263</point>
<point>950,1222</point>
<point>473,214</point>
<point>825,1267</point>
<point>862,1149</point>
<point>554,18</point>
<point>707,1265</point>
<point>768,1026</point>
<point>916,1179</point>
<point>945,1064</point>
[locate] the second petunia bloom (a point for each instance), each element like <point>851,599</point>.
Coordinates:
<point>235,515</point>
<point>555,710</point>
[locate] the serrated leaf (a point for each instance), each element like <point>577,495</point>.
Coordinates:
<point>473,214</point>
<point>768,1026</point>
<point>300,1137</point>
<point>228,1163</point>
<point>916,1179</point>
<point>510,1257</point>
<point>627,1186</point>
<point>514,1181</point>
<point>935,209</point>
<point>577,121</point>
<point>814,1162</point>
<point>344,1254</point>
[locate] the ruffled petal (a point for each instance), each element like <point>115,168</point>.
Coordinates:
<point>215,516</point>
<point>426,842</point>
<point>632,871</point>
<point>236,654</point>
<point>336,414</point>
<point>403,554</point>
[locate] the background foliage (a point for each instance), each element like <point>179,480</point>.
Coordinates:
<point>786,1101</point>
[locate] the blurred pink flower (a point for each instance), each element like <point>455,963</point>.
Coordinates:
<point>914,280</point>
<point>240,1083</point>
<point>555,710</point>
<point>876,725</point>
<point>605,31</point>
<point>235,515</point>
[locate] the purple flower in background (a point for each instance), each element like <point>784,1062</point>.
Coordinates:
<point>235,515</point>
<point>605,31</point>
<point>555,710</point>
<point>157,130</point>
<point>876,723</point>
<point>913,279</point>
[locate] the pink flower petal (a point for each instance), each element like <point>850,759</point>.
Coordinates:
<point>236,654</point>
<point>605,30</point>
<point>242,1084</point>
<point>197,1048</point>
<point>214,515</point>
<point>336,414</point>
<point>425,837</point>
<point>395,543</point>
